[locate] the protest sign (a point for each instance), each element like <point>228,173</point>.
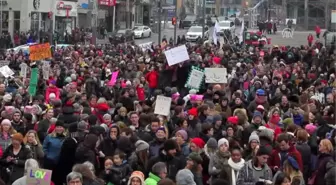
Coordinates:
<point>39,51</point>
<point>195,78</point>
<point>146,46</point>
<point>33,82</point>
<point>38,176</point>
<point>23,72</point>
<point>46,70</point>
<point>162,105</point>
<point>113,79</point>
<point>4,63</point>
<point>177,55</point>
<point>6,71</point>
<point>215,75</point>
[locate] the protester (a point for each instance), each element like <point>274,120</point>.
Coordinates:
<point>120,108</point>
<point>158,172</point>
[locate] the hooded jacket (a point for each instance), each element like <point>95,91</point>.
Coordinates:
<point>108,145</point>
<point>86,150</point>
<point>275,159</point>
<point>248,174</point>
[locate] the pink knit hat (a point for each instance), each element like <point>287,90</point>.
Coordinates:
<point>6,122</point>
<point>310,128</point>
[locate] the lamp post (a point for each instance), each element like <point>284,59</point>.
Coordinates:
<point>159,20</point>
<point>203,20</point>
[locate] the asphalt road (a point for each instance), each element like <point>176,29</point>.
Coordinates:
<point>299,38</point>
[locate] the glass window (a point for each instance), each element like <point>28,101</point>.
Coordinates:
<point>16,15</point>
<point>5,20</point>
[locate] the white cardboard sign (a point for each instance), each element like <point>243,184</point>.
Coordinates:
<point>6,71</point>
<point>162,105</point>
<point>215,75</point>
<point>177,55</point>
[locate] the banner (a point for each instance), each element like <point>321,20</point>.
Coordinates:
<point>38,176</point>
<point>33,82</point>
<point>113,79</point>
<point>46,70</point>
<point>24,68</point>
<point>39,51</point>
<point>177,55</point>
<point>162,105</point>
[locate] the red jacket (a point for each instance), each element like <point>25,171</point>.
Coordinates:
<point>140,93</point>
<point>152,79</point>
<point>50,90</point>
<point>317,29</point>
<point>277,130</point>
<point>275,160</point>
<point>310,38</point>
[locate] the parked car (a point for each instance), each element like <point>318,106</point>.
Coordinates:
<point>195,32</point>
<point>142,31</point>
<point>188,21</point>
<point>225,25</point>
<point>121,36</point>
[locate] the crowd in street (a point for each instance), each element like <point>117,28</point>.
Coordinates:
<point>273,123</point>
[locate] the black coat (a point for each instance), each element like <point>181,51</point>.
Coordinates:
<point>305,152</point>
<point>321,166</point>
<point>85,153</point>
<point>108,146</point>
<point>16,168</point>
<point>173,164</point>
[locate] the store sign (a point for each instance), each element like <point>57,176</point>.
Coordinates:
<point>107,2</point>
<point>62,6</point>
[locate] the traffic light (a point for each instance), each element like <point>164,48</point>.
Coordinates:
<point>174,20</point>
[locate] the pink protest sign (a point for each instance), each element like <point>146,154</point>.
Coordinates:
<point>113,78</point>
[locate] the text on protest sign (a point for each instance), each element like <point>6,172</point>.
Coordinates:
<point>39,51</point>
<point>195,78</point>
<point>162,105</point>
<point>177,55</point>
<point>38,176</point>
<point>215,75</point>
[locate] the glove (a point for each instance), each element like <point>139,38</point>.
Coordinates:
<point>101,154</point>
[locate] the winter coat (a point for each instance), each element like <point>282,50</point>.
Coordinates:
<point>154,147</point>
<point>330,176</point>
<point>125,172</point>
<point>52,147</point>
<point>152,179</point>
<point>275,159</point>
<point>218,163</point>
<point>108,146</point>
<point>152,79</point>
<point>249,176</point>
<point>16,169</point>
<point>321,170</point>
<point>84,153</point>
<point>50,90</point>
<point>4,143</point>
<point>68,116</point>
<point>37,152</point>
<point>42,129</point>
<point>305,152</point>
<point>173,163</point>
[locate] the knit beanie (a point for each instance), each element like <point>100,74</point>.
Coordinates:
<point>141,145</point>
<point>257,114</point>
<point>162,129</point>
<point>195,157</point>
<point>263,151</point>
<point>6,122</point>
<point>212,143</point>
<point>170,145</point>
<point>139,175</point>
<point>254,137</point>
<point>183,133</point>
<point>310,128</point>
<point>223,141</point>
<point>198,142</point>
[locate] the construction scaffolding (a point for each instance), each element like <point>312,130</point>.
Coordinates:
<point>308,13</point>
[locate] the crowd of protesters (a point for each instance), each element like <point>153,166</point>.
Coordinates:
<point>272,123</point>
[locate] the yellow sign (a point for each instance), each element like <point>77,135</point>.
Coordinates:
<point>39,51</point>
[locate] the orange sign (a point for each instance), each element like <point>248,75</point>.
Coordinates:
<point>39,51</point>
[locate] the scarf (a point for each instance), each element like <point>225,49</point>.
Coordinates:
<point>235,167</point>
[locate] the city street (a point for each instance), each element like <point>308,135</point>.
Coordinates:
<point>299,38</point>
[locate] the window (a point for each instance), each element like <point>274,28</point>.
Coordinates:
<point>4,20</point>
<point>34,25</point>
<point>16,26</point>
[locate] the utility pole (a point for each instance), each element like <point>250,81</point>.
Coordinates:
<point>175,27</point>
<point>128,22</point>
<point>1,21</point>
<point>203,20</point>
<point>159,21</point>
<point>93,7</point>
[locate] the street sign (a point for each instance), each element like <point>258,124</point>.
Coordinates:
<point>170,13</point>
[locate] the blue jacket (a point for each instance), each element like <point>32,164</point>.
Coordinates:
<point>52,146</point>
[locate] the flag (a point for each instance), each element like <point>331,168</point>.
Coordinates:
<point>241,37</point>
<point>215,31</point>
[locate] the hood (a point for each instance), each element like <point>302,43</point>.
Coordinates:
<point>68,110</point>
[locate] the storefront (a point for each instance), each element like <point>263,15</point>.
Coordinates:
<point>65,16</point>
